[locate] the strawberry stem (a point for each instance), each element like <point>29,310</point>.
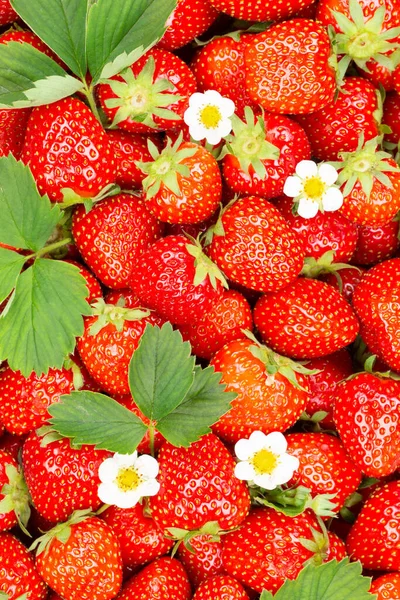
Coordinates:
<point>49,248</point>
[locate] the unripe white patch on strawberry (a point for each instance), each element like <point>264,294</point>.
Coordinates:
<point>208,116</point>
<point>264,461</point>
<point>125,478</point>
<point>312,188</point>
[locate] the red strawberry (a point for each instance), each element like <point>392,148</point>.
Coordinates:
<point>251,10</point>
<point>188,21</point>
<point>151,94</point>
<point>391,110</point>
<point>345,280</point>
<point>308,318</point>
<point>112,235</point>
<point>164,578</point>
<point>202,557</point>
<point>367,417</point>
<point>12,130</point>
<point>198,485</point>
<point>61,479</point>
<point>376,243</point>
<point>67,148</point>
<point>221,587</point>
<point>288,67</point>
<point>268,397</point>
<point>254,246</point>
<point>175,278</point>
<point>18,575</point>
<point>80,559</point>
<point>7,13</point>
<point>14,499</point>
<point>374,537</point>
<point>386,586</point>
<point>94,288</point>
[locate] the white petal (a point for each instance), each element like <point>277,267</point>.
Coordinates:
<point>197,131</point>
<point>285,469</point>
<point>243,449</point>
<point>190,115</point>
<point>212,136</point>
<point>150,487</point>
<point>257,440</point>
<point>146,466</point>
<point>125,460</point>
<point>327,173</point>
<point>106,492</point>
<point>244,470</point>
<point>265,481</point>
<point>276,442</point>
<point>293,186</point>
<point>126,499</point>
<point>306,168</point>
<point>196,100</point>
<point>227,106</point>
<point>307,208</point>
<point>212,97</point>
<point>332,199</point>
<point>108,470</point>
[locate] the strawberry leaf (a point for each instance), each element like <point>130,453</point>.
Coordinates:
<point>330,581</point>
<point>120,31</point>
<point>204,404</point>
<point>64,33</point>
<point>11,264</point>
<point>27,219</point>
<point>92,418</point>
<point>29,77</point>
<point>43,317</point>
<point>160,371</point>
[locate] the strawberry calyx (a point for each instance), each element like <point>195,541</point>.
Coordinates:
<point>314,267</point>
<point>114,314</point>
<point>248,143</point>
<point>211,529</point>
<point>139,98</point>
<point>293,501</point>
<point>71,198</point>
<point>49,435</point>
<point>16,497</point>
<point>204,265</point>
<point>352,500</point>
<point>318,545</point>
<point>77,376</point>
<point>61,531</point>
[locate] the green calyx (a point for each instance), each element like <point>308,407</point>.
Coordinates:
<point>140,98</point>
<point>365,164</point>
<point>211,529</point>
<point>61,532</point>
<point>71,198</point>
<point>318,545</point>
<point>362,40</point>
<point>204,266</point>
<point>16,497</point>
<point>293,501</point>
<point>248,144</point>
<point>114,314</point>
<point>165,167</point>
<point>324,265</point>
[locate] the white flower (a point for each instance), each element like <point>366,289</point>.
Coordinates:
<point>125,478</point>
<point>312,188</point>
<point>208,116</point>
<point>263,460</point>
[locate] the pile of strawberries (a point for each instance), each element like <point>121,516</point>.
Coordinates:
<point>163,295</point>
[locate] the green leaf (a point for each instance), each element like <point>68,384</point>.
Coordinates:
<point>120,31</point>
<point>160,371</point>
<point>29,77</point>
<point>64,32</point>
<point>204,404</point>
<point>43,317</point>
<point>330,581</point>
<point>10,267</point>
<point>27,219</point>
<point>92,418</point>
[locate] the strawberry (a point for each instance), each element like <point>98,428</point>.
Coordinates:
<point>376,243</point>
<point>221,587</point>
<point>163,578</point>
<point>94,288</point>
<point>18,575</point>
<point>175,278</point>
<point>112,235</point>
<point>14,499</point>
<point>80,559</point>
<point>272,391</point>
<point>12,130</point>
<point>251,10</point>
<point>367,416</point>
<point>288,67</point>
<point>374,537</point>
<point>151,94</point>
<point>345,280</point>
<point>61,479</point>
<point>308,318</point>
<point>7,13</point>
<point>202,557</point>
<point>386,586</point>
<point>189,20</point>
<point>184,504</point>
<point>390,117</point>
<point>254,246</point>
<point>85,164</point>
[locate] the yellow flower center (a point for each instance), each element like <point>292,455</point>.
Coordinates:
<point>210,116</point>
<point>264,462</point>
<point>314,187</point>
<point>128,479</point>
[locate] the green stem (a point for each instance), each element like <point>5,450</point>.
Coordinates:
<point>88,92</point>
<point>49,248</point>
<point>151,439</point>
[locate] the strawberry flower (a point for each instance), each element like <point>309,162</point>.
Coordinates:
<point>208,116</point>
<point>312,188</point>
<point>125,478</point>
<point>264,461</point>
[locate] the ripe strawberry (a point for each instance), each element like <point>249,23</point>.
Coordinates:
<point>390,117</point>
<point>80,559</point>
<point>112,235</point>
<point>376,243</point>
<point>94,288</point>
<point>12,130</point>
<point>308,318</point>
<point>202,557</point>
<point>254,246</point>
<point>288,67</point>
<point>262,152</point>
<point>151,94</point>
<point>86,163</point>
<point>268,396</point>
<point>188,21</point>
<point>252,10</point>
<point>164,578</point>
<point>345,281</point>
<point>7,13</point>
<point>14,499</point>
<point>386,586</point>
<point>183,503</point>
<point>374,537</point>
<point>18,575</point>
<point>367,417</point>
<point>61,479</point>
<point>221,587</point>
<point>175,278</point>
<point>325,467</point>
